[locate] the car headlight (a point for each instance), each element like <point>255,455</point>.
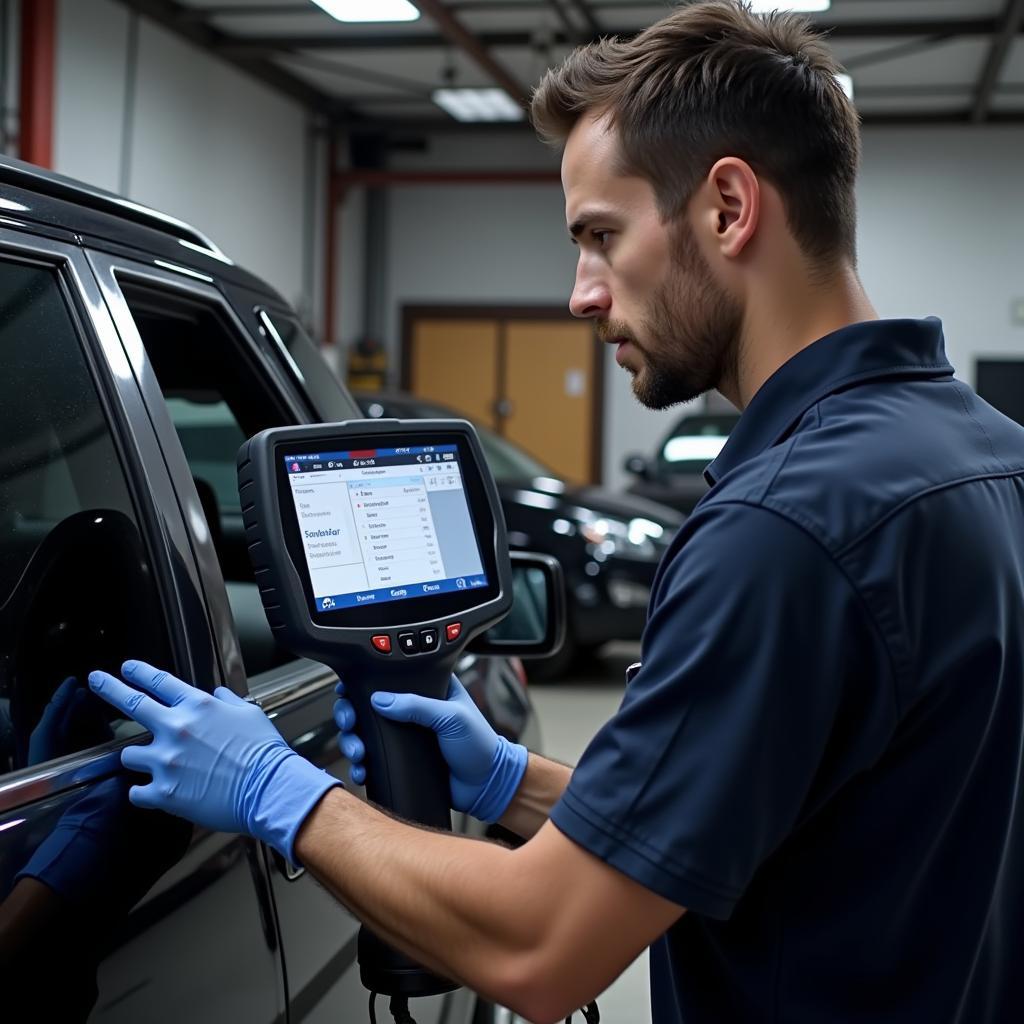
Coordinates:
<point>636,538</point>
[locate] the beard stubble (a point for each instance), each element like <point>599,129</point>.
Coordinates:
<point>691,332</point>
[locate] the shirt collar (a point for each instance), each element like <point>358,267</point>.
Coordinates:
<point>852,355</point>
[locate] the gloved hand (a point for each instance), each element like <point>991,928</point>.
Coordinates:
<point>486,768</point>
<point>69,722</point>
<point>216,760</point>
<point>104,854</point>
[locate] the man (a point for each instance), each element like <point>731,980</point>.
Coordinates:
<point>808,801</point>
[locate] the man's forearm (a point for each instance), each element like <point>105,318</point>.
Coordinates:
<point>468,909</point>
<point>541,788</point>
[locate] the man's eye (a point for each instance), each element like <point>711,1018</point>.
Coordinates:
<point>601,237</point>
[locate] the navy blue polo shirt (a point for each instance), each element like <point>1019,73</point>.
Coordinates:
<point>821,756</point>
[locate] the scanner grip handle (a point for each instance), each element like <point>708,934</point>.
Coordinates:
<point>405,770</point>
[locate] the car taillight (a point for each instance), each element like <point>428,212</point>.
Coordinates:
<point>520,672</point>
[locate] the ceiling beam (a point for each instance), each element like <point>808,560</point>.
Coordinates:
<point>1013,17</point>
<point>399,40</point>
<point>455,32</point>
<point>407,129</point>
<point>568,26</point>
<point>171,16</point>
<point>589,19</point>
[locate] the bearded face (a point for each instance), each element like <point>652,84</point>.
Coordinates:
<point>686,341</point>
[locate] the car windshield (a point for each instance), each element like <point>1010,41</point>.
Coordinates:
<point>695,441</point>
<point>506,461</point>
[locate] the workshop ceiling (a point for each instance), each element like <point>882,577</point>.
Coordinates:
<point>912,61</point>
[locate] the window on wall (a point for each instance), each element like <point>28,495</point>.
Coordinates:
<point>77,590</point>
<point>1001,383</point>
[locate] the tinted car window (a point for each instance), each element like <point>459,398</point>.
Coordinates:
<point>300,355</point>
<point>76,586</point>
<point>695,442</point>
<point>506,461</point>
<point>216,397</point>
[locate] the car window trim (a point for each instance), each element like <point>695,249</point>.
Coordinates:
<point>78,288</point>
<point>295,680</point>
<point>111,271</point>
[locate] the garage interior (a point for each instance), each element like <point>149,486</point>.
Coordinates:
<point>419,233</point>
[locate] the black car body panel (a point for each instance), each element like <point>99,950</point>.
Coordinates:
<point>607,581</point>
<point>157,921</point>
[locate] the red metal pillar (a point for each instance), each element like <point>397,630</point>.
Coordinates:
<point>38,45</point>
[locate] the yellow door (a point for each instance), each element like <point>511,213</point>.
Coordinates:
<point>551,392</point>
<point>455,362</point>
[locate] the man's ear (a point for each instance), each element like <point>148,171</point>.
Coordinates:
<point>734,205</point>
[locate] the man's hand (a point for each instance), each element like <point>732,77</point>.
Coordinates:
<point>486,768</point>
<point>215,759</point>
<point>70,721</point>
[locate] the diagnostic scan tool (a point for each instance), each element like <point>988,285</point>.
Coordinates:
<point>379,549</point>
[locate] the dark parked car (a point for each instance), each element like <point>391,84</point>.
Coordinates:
<point>675,476</point>
<point>136,356</point>
<point>609,545</point>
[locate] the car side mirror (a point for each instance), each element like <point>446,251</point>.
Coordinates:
<point>637,465</point>
<point>535,627</point>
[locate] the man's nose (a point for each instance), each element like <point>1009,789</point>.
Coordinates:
<point>590,296</point>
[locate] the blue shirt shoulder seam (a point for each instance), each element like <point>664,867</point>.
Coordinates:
<point>958,387</point>
<point>794,518</point>
<point>918,496</point>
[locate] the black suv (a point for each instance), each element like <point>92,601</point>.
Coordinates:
<point>136,357</point>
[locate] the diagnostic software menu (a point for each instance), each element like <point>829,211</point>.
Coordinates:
<point>384,524</point>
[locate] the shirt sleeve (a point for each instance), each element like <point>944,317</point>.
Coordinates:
<point>764,686</point>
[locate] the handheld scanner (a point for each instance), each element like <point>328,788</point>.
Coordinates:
<point>379,549</point>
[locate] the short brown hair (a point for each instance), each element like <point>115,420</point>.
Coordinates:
<point>713,80</point>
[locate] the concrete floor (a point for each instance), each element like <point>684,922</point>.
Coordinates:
<point>570,713</point>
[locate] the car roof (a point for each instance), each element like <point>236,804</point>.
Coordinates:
<point>33,196</point>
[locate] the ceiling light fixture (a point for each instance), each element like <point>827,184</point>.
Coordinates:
<point>478,104</point>
<point>846,84</point>
<point>369,10</point>
<point>800,6</point>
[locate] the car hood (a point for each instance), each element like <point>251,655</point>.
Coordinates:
<point>600,500</point>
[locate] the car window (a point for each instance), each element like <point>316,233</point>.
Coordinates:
<point>76,585</point>
<point>300,355</point>
<point>217,396</point>
<point>507,462</point>
<point>694,442</point>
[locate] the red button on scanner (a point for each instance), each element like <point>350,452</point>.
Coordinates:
<point>453,631</point>
<point>382,642</point>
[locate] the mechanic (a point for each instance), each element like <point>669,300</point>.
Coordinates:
<point>808,803</point>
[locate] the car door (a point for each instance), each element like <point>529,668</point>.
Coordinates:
<point>107,913</point>
<point>208,385</point>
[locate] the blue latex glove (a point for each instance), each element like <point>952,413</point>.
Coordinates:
<point>70,721</point>
<point>215,759</point>
<point>486,768</point>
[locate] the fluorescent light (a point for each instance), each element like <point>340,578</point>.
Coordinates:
<point>478,104</point>
<point>801,6</point>
<point>846,84</point>
<point>369,10</point>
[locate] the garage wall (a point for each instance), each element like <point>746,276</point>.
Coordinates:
<point>941,233</point>
<point>205,142</point>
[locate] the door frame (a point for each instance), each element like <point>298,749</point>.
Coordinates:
<point>498,312</point>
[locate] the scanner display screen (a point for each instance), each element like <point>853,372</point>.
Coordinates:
<point>384,524</point>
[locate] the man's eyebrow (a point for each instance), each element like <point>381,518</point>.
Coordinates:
<point>579,225</point>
